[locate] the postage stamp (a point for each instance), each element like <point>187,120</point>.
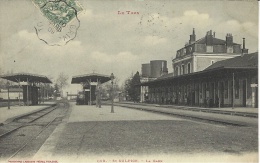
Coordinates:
<point>61,20</point>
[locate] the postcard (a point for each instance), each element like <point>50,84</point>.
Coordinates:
<point>141,81</point>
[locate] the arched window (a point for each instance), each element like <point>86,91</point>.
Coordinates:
<point>191,49</point>
<point>177,70</point>
<point>178,54</point>
<point>184,51</point>
<point>188,68</point>
<point>182,69</point>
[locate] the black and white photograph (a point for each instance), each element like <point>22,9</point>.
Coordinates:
<point>129,81</point>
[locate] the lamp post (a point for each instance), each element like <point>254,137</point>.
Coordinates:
<point>112,77</point>
<point>43,93</point>
<point>98,93</point>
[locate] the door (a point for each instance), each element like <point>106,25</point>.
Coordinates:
<point>221,94</point>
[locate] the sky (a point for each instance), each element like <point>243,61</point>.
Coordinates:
<point>107,41</point>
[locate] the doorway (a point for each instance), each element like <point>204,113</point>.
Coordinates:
<point>244,93</point>
<point>221,94</point>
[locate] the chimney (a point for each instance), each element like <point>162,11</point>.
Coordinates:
<point>244,50</point>
<point>209,38</point>
<point>192,37</point>
<point>214,34</point>
<point>229,40</point>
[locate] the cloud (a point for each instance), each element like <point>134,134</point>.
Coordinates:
<point>126,57</point>
<point>193,18</point>
<point>170,26</point>
<point>250,28</point>
<point>193,13</point>
<point>24,34</point>
<point>239,30</point>
<point>34,56</point>
<point>154,40</point>
<point>86,14</point>
<point>107,42</point>
<point>102,57</point>
<point>122,57</point>
<point>120,64</point>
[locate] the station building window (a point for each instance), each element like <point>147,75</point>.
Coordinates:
<point>209,49</point>
<point>178,54</point>
<point>226,89</point>
<point>236,88</point>
<point>229,49</point>
<point>177,70</point>
<point>183,69</point>
<point>190,49</point>
<point>188,68</point>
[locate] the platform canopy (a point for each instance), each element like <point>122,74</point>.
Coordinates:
<point>24,77</point>
<point>93,77</point>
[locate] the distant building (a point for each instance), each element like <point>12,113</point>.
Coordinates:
<point>151,71</point>
<point>146,70</point>
<point>158,68</point>
<point>14,93</point>
<point>197,55</point>
<point>154,69</point>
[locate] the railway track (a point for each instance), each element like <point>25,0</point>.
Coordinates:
<point>24,120</point>
<point>27,133</point>
<point>27,142</point>
<point>156,109</point>
<point>243,114</point>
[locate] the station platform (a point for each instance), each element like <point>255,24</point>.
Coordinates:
<point>86,118</point>
<point>16,111</point>
<point>80,114</point>
<point>235,109</point>
<point>236,116</point>
<point>84,114</point>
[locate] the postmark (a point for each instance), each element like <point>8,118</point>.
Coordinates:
<point>58,21</point>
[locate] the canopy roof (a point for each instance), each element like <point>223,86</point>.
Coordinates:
<point>247,63</point>
<point>244,61</point>
<point>213,73</point>
<point>23,77</point>
<point>93,77</point>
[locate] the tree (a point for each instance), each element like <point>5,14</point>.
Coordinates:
<point>49,90</point>
<point>5,83</point>
<point>62,82</point>
<point>132,87</point>
<point>106,89</point>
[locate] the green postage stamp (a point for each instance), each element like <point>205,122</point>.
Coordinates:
<point>57,22</point>
<point>59,12</point>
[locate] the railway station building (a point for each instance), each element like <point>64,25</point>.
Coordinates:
<point>209,72</point>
